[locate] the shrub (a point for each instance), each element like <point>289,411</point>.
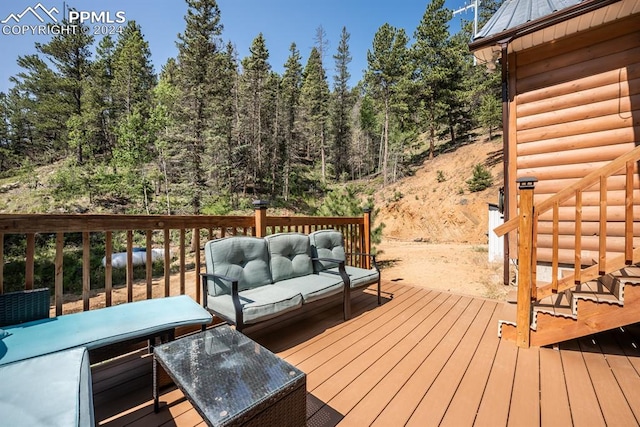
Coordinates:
<point>440,176</point>
<point>481,179</point>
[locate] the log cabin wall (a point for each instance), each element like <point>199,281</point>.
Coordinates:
<point>575,106</point>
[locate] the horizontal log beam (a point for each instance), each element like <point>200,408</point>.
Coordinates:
<point>603,138</point>
<point>572,157</point>
<point>577,128</point>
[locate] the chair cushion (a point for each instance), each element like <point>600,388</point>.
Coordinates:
<point>313,286</point>
<point>326,244</point>
<point>50,390</point>
<point>289,256</point>
<point>258,304</point>
<point>358,276</point>
<point>242,258</point>
<point>101,327</point>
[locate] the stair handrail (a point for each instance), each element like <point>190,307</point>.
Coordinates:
<point>570,191</point>
<point>527,220</point>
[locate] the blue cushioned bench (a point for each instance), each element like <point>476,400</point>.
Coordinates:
<point>98,328</point>
<point>51,390</point>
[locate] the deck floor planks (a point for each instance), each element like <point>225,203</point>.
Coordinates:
<point>614,407</point>
<point>624,372</point>
<point>494,406</point>
<point>583,401</point>
<point>394,363</point>
<point>433,406</point>
<point>464,405</point>
<point>300,352</point>
<point>353,383</point>
<point>446,336</point>
<point>318,327</point>
<point>554,403</point>
<point>356,335</point>
<point>334,378</point>
<point>525,395</point>
<point>326,363</point>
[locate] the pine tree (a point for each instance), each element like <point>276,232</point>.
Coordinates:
<point>386,69</point>
<point>290,106</point>
<point>437,75</point>
<point>314,98</point>
<point>70,53</point>
<point>342,105</point>
<point>197,48</point>
<point>256,70</point>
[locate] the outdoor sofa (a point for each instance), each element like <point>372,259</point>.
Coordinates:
<point>252,280</point>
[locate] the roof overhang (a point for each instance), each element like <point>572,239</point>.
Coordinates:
<point>571,20</point>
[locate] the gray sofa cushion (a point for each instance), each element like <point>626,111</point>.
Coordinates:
<point>289,256</point>
<point>326,244</point>
<point>313,286</point>
<point>242,258</point>
<point>357,276</point>
<point>330,244</point>
<point>258,304</point>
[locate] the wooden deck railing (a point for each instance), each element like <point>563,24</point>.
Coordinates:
<point>527,225</point>
<point>179,236</point>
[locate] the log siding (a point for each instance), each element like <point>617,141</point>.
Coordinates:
<point>575,106</point>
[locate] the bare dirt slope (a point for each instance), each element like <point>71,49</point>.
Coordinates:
<point>436,233</point>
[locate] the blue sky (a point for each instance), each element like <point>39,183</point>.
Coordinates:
<point>280,21</point>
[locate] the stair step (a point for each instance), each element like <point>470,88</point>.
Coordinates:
<point>557,305</point>
<point>594,290</point>
<point>508,315</point>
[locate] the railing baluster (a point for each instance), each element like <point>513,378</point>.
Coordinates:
<point>86,269</point>
<point>628,214</point>
<point>30,258</point>
<point>578,238</point>
<point>555,249</point>
<point>602,241</point>
<point>1,263</point>
<point>129,265</point>
<point>149,263</point>
<point>182,261</point>
<point>108,268</point>
<point>196,244</point>
<point>58,286</point>
<point>167,261</point>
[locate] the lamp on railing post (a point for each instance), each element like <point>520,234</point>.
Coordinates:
<point>526,185</point>
<point>366,236</point>
<point>260,207</point>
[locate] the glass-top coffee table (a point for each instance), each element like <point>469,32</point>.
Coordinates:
<point>231,380</point>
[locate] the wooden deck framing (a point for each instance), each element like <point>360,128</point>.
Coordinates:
<point>422,358</point>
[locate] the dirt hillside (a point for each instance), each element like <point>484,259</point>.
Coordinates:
<point>436,233</point>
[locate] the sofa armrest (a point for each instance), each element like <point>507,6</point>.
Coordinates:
<point>237,306</point>
<point>373,258</point>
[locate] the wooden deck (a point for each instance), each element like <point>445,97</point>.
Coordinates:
<point>422,358</point>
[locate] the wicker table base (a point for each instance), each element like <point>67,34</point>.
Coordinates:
<point>231,380</point>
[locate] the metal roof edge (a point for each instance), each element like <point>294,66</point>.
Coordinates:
<point>538,24</point>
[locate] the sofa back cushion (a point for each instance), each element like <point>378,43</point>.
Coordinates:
<point>327,244</point>
<point>239,257</point>
<point>289,255</point>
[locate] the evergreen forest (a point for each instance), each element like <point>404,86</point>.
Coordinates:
<point>210,131</point>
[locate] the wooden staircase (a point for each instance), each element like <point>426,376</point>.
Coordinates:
<point>608,302</point>
<point>598,292</point>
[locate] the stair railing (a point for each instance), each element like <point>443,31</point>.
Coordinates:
<point>527,224</point>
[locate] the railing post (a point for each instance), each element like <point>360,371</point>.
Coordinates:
<point>260,207</point>
<point>367,237</point>
<point>525,260</point>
